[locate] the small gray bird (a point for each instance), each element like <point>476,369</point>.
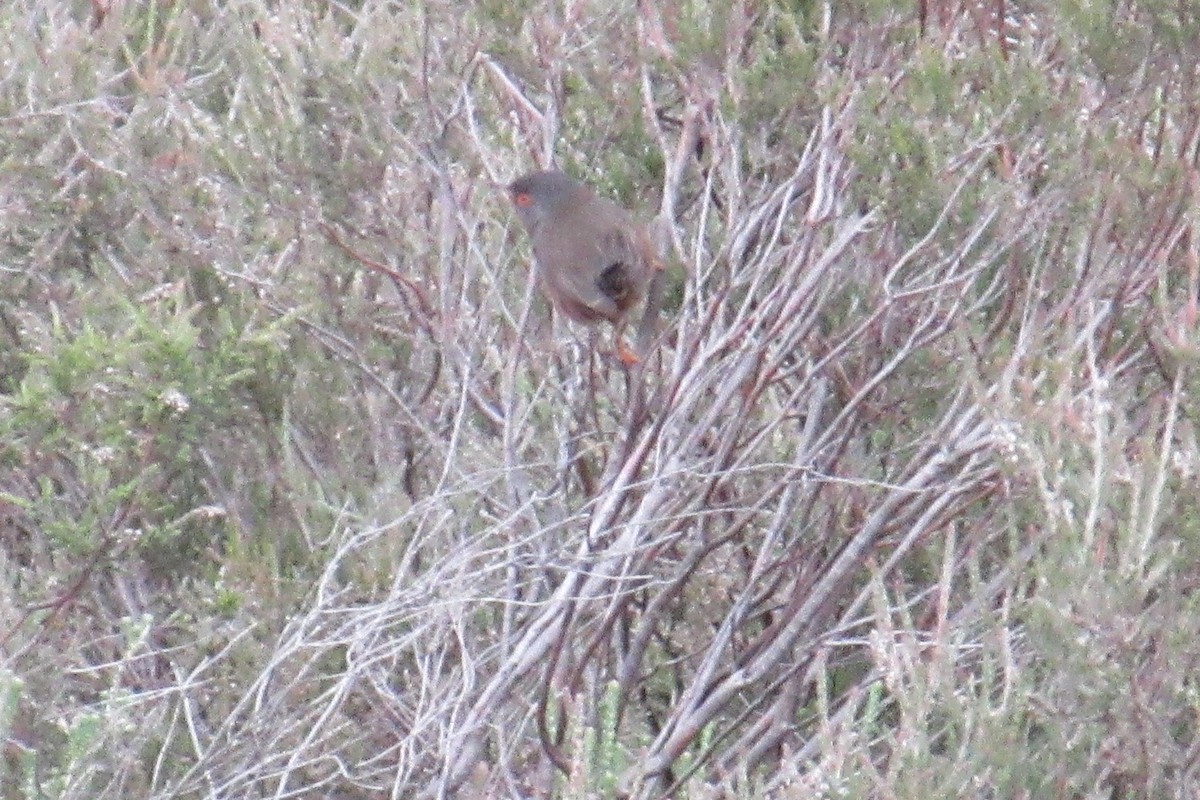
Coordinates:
<point>594,261</point>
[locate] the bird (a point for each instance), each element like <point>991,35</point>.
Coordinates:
<point>593,260</point>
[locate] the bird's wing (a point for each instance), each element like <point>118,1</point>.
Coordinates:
<point>603,269</point>
<point>622,269</point>
<point>568,267</point>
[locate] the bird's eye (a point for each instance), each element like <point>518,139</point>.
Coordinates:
<point>523,199</point>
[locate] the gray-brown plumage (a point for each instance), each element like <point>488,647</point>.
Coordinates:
<point>594,261</point>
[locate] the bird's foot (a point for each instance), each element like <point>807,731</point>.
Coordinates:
<point>626,355</point>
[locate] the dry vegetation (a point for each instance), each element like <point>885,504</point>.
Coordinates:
<point>303,493</point>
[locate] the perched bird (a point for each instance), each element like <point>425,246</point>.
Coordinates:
<point>594,261</point>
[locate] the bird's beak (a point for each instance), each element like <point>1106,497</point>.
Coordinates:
<point>506,188</point>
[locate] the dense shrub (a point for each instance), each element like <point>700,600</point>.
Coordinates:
<point>303,492</point>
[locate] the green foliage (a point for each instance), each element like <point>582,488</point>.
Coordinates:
<point>129,401</point>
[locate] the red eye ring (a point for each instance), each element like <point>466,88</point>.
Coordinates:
<point>523,199</point>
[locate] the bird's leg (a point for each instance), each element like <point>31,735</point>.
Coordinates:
<point>624,353</point>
